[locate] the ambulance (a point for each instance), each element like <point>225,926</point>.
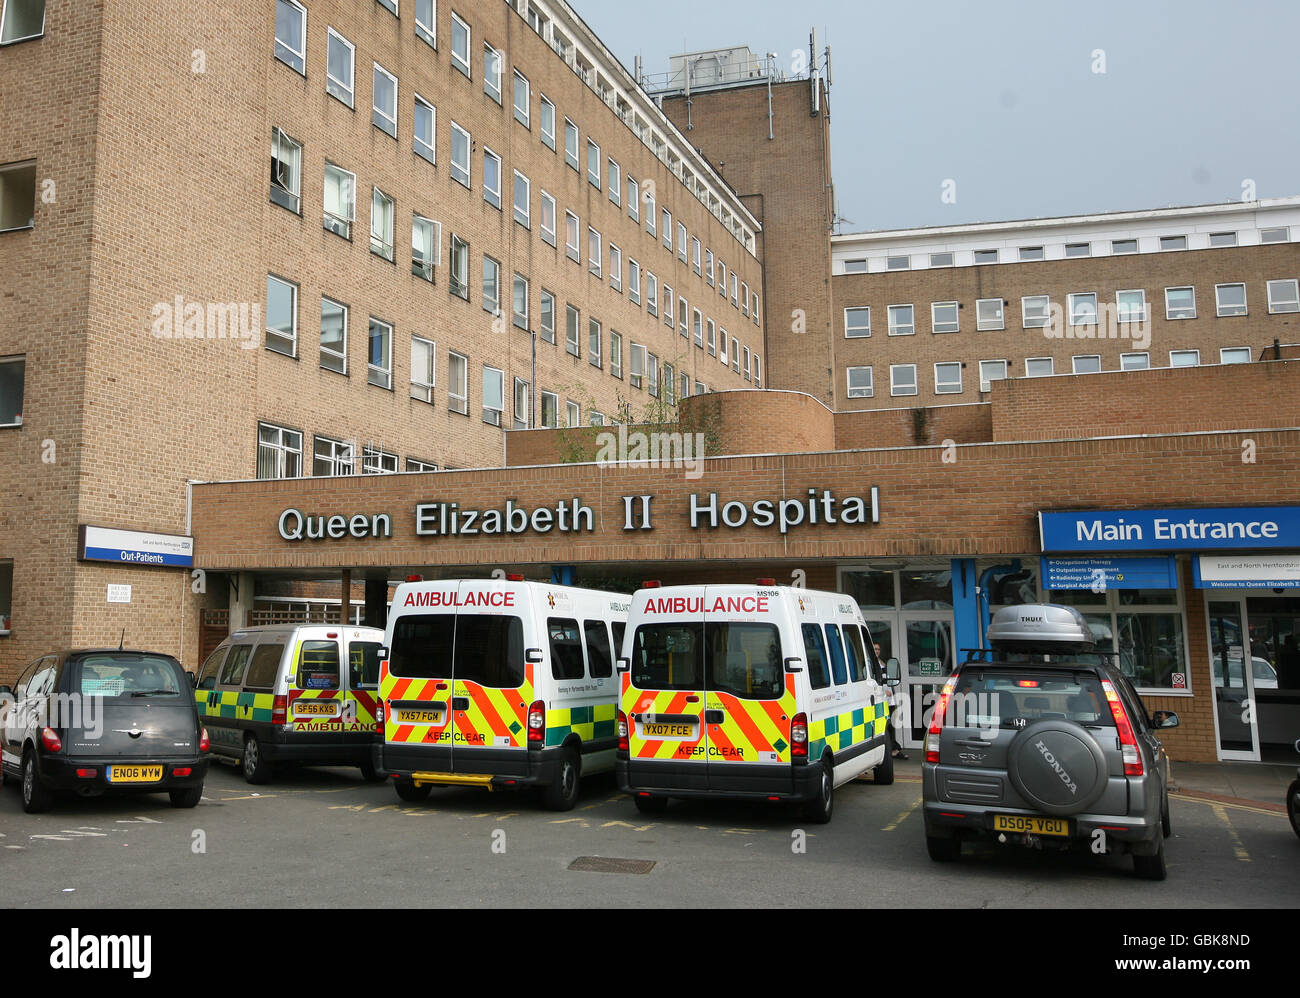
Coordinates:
<point>499,683</point>
<point>749,692</point>
<point>293,693</point>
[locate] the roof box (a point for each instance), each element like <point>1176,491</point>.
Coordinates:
<point>1046,627</point>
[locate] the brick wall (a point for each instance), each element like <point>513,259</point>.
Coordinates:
<point>919,427</point>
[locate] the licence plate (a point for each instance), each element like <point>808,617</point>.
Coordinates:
<point>134,774</point>
<point>408,716</point>
<point>315,708</point>
<point>1031,824</point>
<point>659,730</point>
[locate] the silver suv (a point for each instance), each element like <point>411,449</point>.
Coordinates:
<point>1043,742</point>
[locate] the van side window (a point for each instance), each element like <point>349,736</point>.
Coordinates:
<point>877,666</point>
<point>620,629</point>
<point>837,654</point>
<point>566,648</point>
<point>263,667</point>
<point>363,664</point>
<point>598,656</point>
<point>857,656</point>
<point>814,649</point>
<point>318,666</point>
<point>208,674</point>
<point>234,669</point>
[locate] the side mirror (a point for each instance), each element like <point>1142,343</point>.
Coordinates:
<point>893,672</point>
<point>624,664</point>
<point>792,664</point>
<point>1164,719</point>
<point>382,654</point>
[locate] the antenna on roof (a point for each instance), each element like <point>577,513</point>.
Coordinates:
<point>122,641</point>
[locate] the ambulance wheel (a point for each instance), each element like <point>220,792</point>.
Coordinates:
<point>189,797</point>
<point>37,797</point>
<point>370,774</point>
<point>651,805</point>
<point>408,791</point>
<point>256,768</point>
<point>818,810</point>
<point>884,773</point>
<point>563,793</point>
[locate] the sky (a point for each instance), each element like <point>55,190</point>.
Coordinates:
<point>1019,109</point>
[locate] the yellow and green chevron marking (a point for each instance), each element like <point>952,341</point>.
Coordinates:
<point>588,723</point>
<point>843,730</point>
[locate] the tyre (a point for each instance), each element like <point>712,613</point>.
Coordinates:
<point>943,849</point>
<point>1151,867</point>
<point>37,797</point>
<point>819,809</point>
<point>1166,826</point>
<point>1293,805</point>
<point>256,768</point>
<point>884,773</point>
<point>370,774</point>
<point>408,791</point>
<point>563,793</point>
<point>189,797</point>
<point>651,805</point>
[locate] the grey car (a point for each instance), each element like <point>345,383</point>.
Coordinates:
<point>1043,742</point>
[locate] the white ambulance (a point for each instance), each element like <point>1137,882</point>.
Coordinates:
<point>758,692</point>
<point>499,683</point>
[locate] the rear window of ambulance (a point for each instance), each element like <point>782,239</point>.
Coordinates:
<point>318,666</point>
<point>488,648</point>
<point>743,659</point>
<point>422,646</point>
<point>1014,699</point>
<point>668,656</point>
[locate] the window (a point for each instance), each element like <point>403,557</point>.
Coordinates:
<point>426,240</point>
<point>615,189</point>
<point>550,410</point>
<point>1131,306</point>
<point>1086,364</point>
<point>990,371</point>
<point>415,464</point>
<point>1282,296</point>
<point>651,293</point>
<point>943,317</point>
<point>735,288</point>
<point>494,387</point>
<point>332,457</point>
<point>902,379</point>
<point>423,353</point>
<point>571,331</point>
<point>634,282</point>
<point>633,200</point>
<point>391,5</point>
<point>666,225</point>
<point>1038,367</point>
<point>1031,253</point>
<point>460,146</point>
<point>281,316</point>
<point>855,267</point>
<point>593,343</point>
<point>426,22</point>
<point>523,197</point>
<point>18,196</point>
<point>571,236</point>
<point>340,59</point>
<point>384,115</point>
<point>684,389</point>
<point>13,373</point>
<point>695,257</point>
<point>616,354</point>
<point>711,339</point>
<point>758,370</point>
<point>572,414</point>
<point>1134,361</point>
<point>898,263</point>
<point>940,259</point>
<point>548,218</point>
<point>986,256</point>
<point>279,452</point>
<point>333,336</point>
<point>491,178</point>
<point>340,200</point>
<point>593,164</point>
<point>669,383</point>
<point>375,461</point>
<point>1230,299</point>
<point>460,44</point>
<point>1078,249</point>
<point>637,371</point>
<point>380,364</point>
<point>697,324</point>
<point>857,322</point>
<point>1218,239</point>
<point>753,308</point>
<point>1180,303</point>
<point>651,212</point>
<point>1277,235</point>
<point>947,379</point>
<point>735,354</point>
<point>290,30</point>
<point>1234,355</point>
<point>459,283</point>
<point>594,256</point>
<point>381,224</point>
<point>596,418</point>
<point>519,301</point>
<point>523,401</point>
<point>425,129</point>
<point>548,316</point>
<point>615,267</point>
<point>652,374</point>
<point>722,279</point>
<point>1035,311</point>
<point>1121,246</point>
<point>745,365</point>
<point>744,298</point>
<point>491,285</point>
<point>570,143</point>
<point>522,99</point>
<point>860,384</point>
<point>1184,358</point>
<point>286,171</point>
<point>458,383</point>
<point>548,122</point>
<point>1173,242</point>
<point>988,314</point>
<point>669,312</point>
<point>901,321</point>
<point>708,267</point>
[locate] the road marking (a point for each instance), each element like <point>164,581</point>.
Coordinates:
<point>55,838</point>
<point>137,820</point>
<point>1237,847</point>
<point>1223,804</point>
<point>902,817</point>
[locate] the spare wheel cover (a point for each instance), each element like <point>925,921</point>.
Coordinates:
<point>1057,766</point>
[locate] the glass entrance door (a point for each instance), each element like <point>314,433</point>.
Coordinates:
<point>927,660</point>
<point>1234,693</point>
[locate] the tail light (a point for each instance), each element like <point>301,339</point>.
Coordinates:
<point>51,740</point>
<point>280,710</point>
<point>205,743</point>
<point>182,771</point>
<point>936,720</point>
<point>620,725</point>
<point>537,723</point>
<point>87,774</point>
<point>765,582</point>
<point>1127,743</point>
<point>651,584</point>
<point>514,577</point>
<point>379,717</point>
<point>799,736</point>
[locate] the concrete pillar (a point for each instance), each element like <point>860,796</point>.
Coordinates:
<point>239,598</point>
<point>376,603</point>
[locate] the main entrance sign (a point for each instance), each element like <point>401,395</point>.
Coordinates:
<point>1171,529</point>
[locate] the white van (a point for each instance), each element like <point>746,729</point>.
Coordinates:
<point>293,693</point>
<point>499,683</point>
<point>759,692</point>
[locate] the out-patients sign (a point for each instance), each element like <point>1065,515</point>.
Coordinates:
<point>133,547</point>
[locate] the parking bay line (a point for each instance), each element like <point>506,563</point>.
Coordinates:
<point>1226,804</point>
<point>902,817</point>
<point>1237,847</point>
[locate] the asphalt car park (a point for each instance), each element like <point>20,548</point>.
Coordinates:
<point>325,837</point>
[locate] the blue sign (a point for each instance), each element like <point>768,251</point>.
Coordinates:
<point>1100,574</point>
<point>1171,529</point>
<point>133,547</point>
